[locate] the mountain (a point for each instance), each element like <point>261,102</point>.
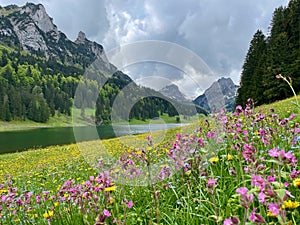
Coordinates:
<point>41,74</point>
<point>172,91</point>
<point>30,28</point>
<point>221,94</point>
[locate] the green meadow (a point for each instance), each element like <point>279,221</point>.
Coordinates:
<point>228,168</point>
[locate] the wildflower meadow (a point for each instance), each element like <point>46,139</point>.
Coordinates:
<point>229,168</point>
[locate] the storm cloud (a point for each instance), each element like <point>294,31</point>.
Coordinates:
<point>218,31</point>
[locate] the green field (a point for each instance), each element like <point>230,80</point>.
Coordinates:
<point>237,168</point>
<point>77,120</point>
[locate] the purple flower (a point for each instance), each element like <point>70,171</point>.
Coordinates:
<point>256,217</point>
<point>272,178</point>
<point>106,213</point>
<point>242,191</point>
<point>274,153</point>
<point>249,153</point>
<point>246,199</point>
<point>274,209</point>
<point>129,204</point>
<point>227,222</point>
<point>258,181</point>
<point>294,174</point>
<point>211,183</point>
<point>211,134</point>
<point>261,198</point>
<point>231,221</point>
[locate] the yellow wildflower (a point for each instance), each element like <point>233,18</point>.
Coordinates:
<point>214,160</point>
<point>3,191</point>
<point>290,205</point>
<point>109,189</point>
<point>229,157</point>
<point>56,204</point>
<point>111,200</point>
<point>270,214</point>
<point>188,172</point>
<point>296,182</point>
<point>48,214</point>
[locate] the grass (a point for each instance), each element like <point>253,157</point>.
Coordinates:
<point>284,108</point>
<point>77,120</point>
<point>56,121</point>
<point>228,169</point>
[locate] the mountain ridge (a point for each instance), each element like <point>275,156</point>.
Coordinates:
<point>172,91</point>
<point>30,28</point>
<point>221,94</point>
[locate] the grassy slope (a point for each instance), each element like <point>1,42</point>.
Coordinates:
<point>76,120</point>
<point>284,108</point>
<point>50,167</point>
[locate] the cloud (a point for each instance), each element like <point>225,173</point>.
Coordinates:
<point>218,31</point>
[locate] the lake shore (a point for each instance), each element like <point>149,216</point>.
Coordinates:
<point>64,121</point>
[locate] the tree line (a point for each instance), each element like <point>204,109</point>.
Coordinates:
<point>276,53</point>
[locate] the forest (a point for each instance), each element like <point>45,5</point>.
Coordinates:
<point>35,88</point>
<point>270,55</point>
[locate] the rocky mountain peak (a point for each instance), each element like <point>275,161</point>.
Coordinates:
<point>40,17</point>
<point>172,91</point>
<point>221,94</point>
<point>81,39</point>
<point>31,28</point>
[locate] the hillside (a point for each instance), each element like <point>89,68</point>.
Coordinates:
<point>246,159</point>
<point>41,74</point>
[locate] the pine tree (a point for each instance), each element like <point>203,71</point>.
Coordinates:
<point>250,85</point>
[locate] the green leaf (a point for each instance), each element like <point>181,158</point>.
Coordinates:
<point>280,192</point>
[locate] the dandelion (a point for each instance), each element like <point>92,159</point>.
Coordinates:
<point>229,157</point>
<point>111,200</point>
<point>214,160</point>
<point>290,205</point>
<point>48,214</point>
<point>296,182</point>
<point>188,173</point>
<point>109,189</point>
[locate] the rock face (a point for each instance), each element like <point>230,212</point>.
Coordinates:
<point>172,91</point>
<point>221,94</point>
<point>30,27</point>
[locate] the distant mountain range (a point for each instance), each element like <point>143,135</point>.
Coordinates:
<point>221,94</point>
<point>172,91</point>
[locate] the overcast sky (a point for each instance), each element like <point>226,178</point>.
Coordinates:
<point>218,31</point>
